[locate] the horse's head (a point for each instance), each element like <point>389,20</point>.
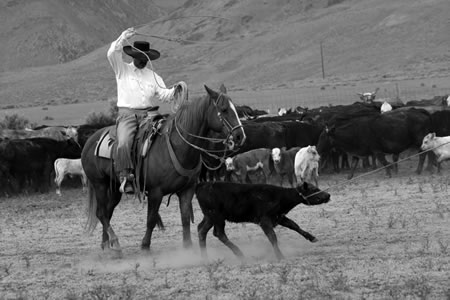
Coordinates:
<point>224,118</point>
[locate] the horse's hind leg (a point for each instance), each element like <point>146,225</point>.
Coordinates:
<point>187,214</point>
<point>154,199</point>
<point>107,200</point>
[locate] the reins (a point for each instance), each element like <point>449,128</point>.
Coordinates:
<point>373,171</point>
<point>210,152</point>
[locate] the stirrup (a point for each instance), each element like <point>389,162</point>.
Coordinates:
<point>126,186</point>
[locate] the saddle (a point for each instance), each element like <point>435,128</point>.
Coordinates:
<point>147,131</point>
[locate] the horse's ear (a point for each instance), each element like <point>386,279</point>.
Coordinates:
<point>211,93</point>
<point>223,89</point>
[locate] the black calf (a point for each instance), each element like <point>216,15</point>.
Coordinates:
<point>262,204</point>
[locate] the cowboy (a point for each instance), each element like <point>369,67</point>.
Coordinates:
<point>137,88</point>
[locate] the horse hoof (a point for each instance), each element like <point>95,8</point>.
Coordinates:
<point>187,245</point>
<point>314,240</point>
<point>115,253</point>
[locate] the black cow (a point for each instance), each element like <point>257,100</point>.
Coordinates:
<point>30,161</point>
<point>85,131</point>
<point>280,134</point>
<point>437,100</point>
<point>392,132</point>
<point>262,204</point>
<point>440,123</point>
<point>328,115</point>
<point>245,111</point>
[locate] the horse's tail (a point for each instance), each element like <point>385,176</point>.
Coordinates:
<point>192,213</point>
<point>159,222</point>
<point>92,220</point>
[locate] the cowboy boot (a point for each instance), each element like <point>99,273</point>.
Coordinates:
<point>126,179</point>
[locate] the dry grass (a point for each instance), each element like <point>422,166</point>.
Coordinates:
<point>379,238</point>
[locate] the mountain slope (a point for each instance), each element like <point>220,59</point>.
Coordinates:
<point>43,32</point>
<point>261,44</point>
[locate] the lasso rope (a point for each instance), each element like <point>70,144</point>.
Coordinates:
<point>172,39</point>
<point>376,170</point>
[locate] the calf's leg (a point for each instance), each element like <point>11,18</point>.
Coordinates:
<point>288,223</point>
<point>58,180</point>
<point>267,227</point>
<point>219,232</point>
<point>382,158</point>
<point>205,225</point>
<point>355,161</point>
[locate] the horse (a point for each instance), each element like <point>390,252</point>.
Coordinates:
<point>171,167</point>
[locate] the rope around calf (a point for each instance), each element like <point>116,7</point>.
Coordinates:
<point>376,170</point>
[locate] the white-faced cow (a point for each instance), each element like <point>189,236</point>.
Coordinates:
<point>306,165</point>
<point>262,204</point>
<point>251,161</point>
<point>368,97</point>
<point>283,161</point>
<point>71,167</point>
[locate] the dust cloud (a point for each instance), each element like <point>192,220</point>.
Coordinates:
<point>256,251</point>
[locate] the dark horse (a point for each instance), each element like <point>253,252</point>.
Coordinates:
<point>163,171</point>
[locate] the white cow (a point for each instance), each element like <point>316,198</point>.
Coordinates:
<point>282,111</point>
<point>385,107</point>
<point>439,145</point>
<point>65,166</point>
<point>306,165</point>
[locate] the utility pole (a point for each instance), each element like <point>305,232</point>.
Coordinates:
<point>321,59</point>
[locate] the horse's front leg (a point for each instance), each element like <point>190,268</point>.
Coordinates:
<point>187,213</point>
<point>153,218</point>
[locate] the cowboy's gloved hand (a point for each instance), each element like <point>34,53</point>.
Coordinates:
<point>128,33</point>
<point>180,87</point>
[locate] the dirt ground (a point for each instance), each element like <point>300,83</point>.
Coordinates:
<point>379,238</point>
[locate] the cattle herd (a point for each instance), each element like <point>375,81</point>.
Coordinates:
<point>295,145</point>
<point>275,148</point>
<point>29,157</point>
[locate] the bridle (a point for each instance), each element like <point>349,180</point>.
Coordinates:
<point>227,141</point>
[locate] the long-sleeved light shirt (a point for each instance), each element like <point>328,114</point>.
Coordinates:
<point>136,88</point>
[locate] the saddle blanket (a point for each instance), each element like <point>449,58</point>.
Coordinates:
<point>106,144</point>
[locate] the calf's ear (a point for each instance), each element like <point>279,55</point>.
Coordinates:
<point>433,135</point>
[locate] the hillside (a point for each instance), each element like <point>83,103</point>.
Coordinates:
<point>258,44</point>
<point>44,32</point>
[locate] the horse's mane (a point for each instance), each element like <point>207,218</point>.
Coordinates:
<point>191,112</point>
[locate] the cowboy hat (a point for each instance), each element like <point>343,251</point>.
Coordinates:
<point>138,47</point>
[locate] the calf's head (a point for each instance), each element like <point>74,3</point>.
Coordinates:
<point>276,155</point>
<point>428,141</point>
<point>312,153</point>
<point>312,195</point>
<point>229,164</point>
